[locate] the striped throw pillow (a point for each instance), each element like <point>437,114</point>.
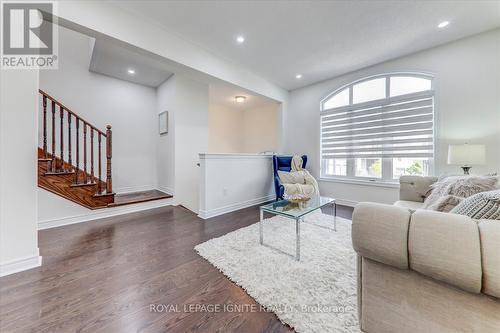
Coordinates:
<point>484,205</point>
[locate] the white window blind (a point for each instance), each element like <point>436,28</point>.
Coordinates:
<point>395,127</point>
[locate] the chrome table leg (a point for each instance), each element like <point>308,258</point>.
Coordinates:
<point>297,244</point>
<point>261,231</point>
<point>334,216</point>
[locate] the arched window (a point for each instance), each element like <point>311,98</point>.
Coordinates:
<point>379,128</point>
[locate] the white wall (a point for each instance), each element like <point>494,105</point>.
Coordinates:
<point>467,108</point>
<point>129,108</point>
<point>165,101</point>
<point>18,171</point>
<point>234,181</point>
<point>225,129</point>
<point>186,101</point>
<point>191,138</point>
<point>233,130</point>
<point>261,129</point>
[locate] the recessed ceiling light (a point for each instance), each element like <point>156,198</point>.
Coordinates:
<point>240,99</point>
<point>240,39</point>
<point>443,24</point>
<point>131,71</point>
<point>298,76</point>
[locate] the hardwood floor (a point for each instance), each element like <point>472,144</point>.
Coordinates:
<point>103,276</point>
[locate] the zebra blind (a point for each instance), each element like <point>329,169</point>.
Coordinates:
<point>391,128</point>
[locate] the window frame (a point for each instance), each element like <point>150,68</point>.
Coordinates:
<point>386,178</point>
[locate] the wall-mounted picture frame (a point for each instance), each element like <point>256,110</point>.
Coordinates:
<point>163,123</point>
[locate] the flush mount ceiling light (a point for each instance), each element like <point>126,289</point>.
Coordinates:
<point>443,24</point>
<point>131,71</point>
<point>240,39</point>
<point>298,76</point>
<point>240,99</point>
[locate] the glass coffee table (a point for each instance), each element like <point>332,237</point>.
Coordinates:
<point>296,211</point>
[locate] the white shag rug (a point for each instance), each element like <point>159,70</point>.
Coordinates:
<point>316,294</point>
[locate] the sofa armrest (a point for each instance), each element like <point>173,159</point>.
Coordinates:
<point>489,231</point>
<point>414,188</point>
<point>446,247</point>
<point>380,233</point>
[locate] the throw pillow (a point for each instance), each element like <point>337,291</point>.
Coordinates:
<point>458,186</point>
<point>445,203</point>
<point>485,205</point>
<point>291,177</point>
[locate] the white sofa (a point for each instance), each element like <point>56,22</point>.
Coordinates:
<point>425,271</point>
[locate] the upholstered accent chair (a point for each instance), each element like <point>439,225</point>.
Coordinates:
<point>283,163</point>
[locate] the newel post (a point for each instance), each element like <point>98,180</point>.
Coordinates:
<point>109,183</point>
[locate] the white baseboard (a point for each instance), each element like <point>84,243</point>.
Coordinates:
<point>103,213</point>
<point>345,202</point>
<point>165,189</point>
<point>205,214</point>
<point>20,265</point>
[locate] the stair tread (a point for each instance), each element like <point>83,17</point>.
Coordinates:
<point>83,184</point>
<point>58,173</point>
<point>104,194</point>
<point>138,197</point>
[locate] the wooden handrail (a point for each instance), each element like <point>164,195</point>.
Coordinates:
<point>69,111</point>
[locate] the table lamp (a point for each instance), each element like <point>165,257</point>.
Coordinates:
<point>466,155</point>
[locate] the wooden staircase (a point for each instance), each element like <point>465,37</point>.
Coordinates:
<point>75,175</point>
<point>78,174</point>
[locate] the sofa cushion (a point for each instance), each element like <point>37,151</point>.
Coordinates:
<point>489,231</point>
<point>446,247</point>
<point>412,205</point>
<point>380,233</point>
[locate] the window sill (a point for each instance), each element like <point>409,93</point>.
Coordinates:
<point>378,183</point>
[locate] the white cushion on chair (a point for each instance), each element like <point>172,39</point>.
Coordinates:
<point>291,177</point>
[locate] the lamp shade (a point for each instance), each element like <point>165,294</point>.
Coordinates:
<point>466,155</point>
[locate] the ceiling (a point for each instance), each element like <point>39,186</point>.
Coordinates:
<point>224,94</point>
<point>113,59</point>
<point>318,39</point>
